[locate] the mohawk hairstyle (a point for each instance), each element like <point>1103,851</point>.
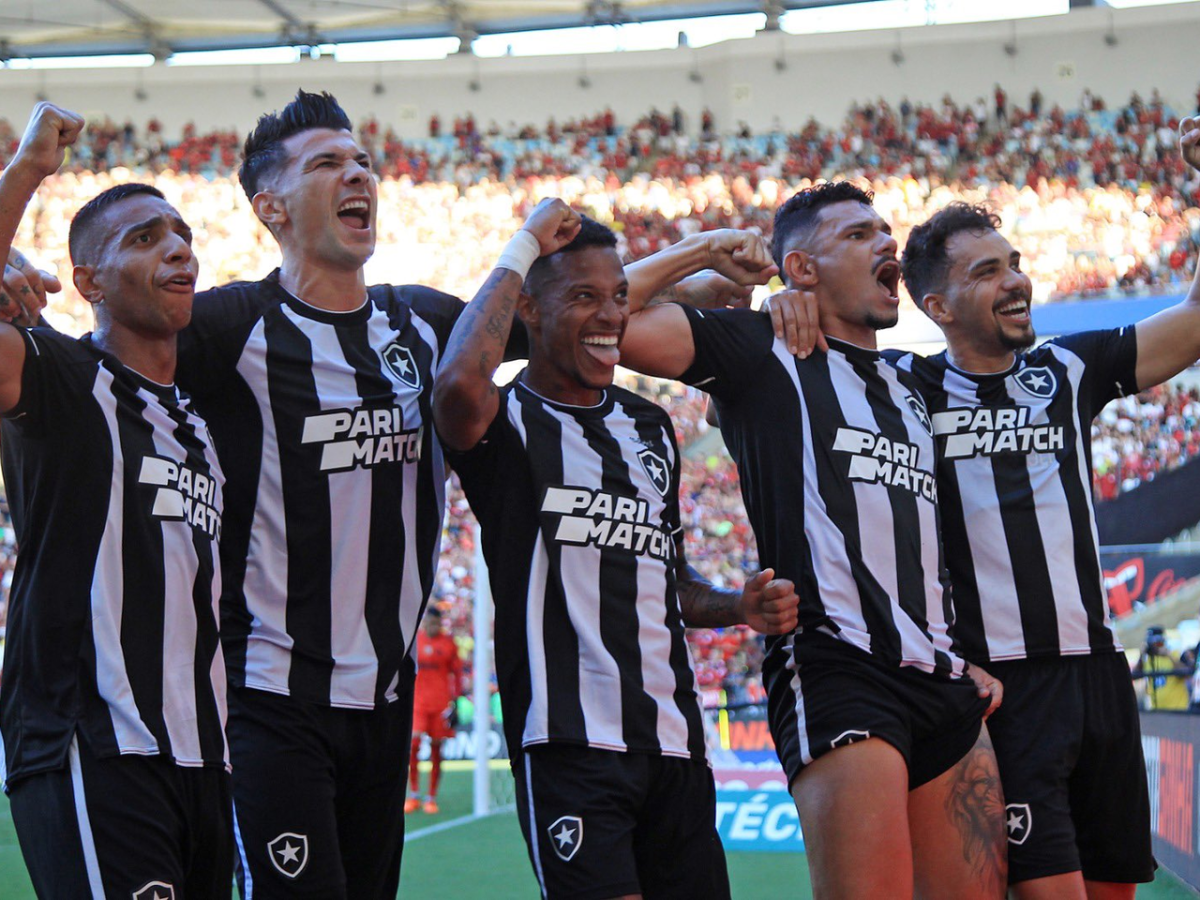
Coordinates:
<point>925,261</point>
<point>263,152</point>
<point>802,212</point>
<point>591,234</point>
<point>81,241</point>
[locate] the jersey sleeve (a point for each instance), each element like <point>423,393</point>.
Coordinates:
<point>729,344</point>
<point>55,376</point>
<point>480,469</point>
<point>1110,363</point>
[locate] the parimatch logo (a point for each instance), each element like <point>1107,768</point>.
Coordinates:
<point>362,438</point>
<point>606,520</point>
<point>183,494</point>
<point>988,431</point>
<point>876,459</point>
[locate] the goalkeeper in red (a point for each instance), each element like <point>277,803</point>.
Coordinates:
<point>439,685</point>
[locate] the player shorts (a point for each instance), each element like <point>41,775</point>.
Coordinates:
<point>601,823</point>
<point>125,826</point>
<point>433,722</point>
<point>823,693</point>
<point>319,794</point>
<point>1068,743</point>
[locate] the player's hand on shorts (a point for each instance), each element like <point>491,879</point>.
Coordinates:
<point>741,256</point>
<point>51,130</point>
<point>988,686</point>
<point>1189,140</point>
<point>710,289</point>
<point>796,322</point>
<point>554,224</point>
<point>770,605</point>
<point>24,290</point>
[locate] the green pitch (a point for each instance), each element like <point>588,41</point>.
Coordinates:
<point>450,855</point>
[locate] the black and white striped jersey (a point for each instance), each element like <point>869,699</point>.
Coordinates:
<point>836,461</point>
<point>1015,482</point>
<point>336,486</point>
<point>116,496</point>
<point>579,509</point>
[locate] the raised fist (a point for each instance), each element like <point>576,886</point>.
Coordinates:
<point>51,130</point>
<point>1189,140</point>
<point>741,256</point>
<point>554,224</point>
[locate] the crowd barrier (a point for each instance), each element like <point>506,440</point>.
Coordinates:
<point>1171,742</point>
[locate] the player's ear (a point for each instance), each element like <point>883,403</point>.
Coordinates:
<point>269,208</point>
<point>800,270</point>
<point>84,278</point>
<point>527,310</point>
<point>936,307</point>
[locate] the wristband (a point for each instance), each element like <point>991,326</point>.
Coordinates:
<point>520,254</point>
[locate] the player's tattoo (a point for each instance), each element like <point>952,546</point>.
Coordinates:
<point>670,294</point>
<point>703,604</point>
<point>25,289</point>
<point>501,319</point>
<point>975,804</point>
<point>5,301</point>
<point>485,372</point>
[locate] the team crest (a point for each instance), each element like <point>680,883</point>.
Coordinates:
<point>917,405</point>
<point>289,853</point>
<point>656,469</point>
<point>402,364</point>
<point>846,738</point>
<point>155,890</point>
<point>1039,381</point>
<point>1019,820</point>
<point>566,835</point>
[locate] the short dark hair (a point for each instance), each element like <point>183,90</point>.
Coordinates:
<point>81,238</point>
<point>263,151</point>
<point>802,212</point>
<point>925,262</point>
<point>591,234</point>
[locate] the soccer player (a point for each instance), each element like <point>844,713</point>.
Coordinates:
<point>317,390</point>
<point>439,685</point>
<point>113,700</point>
<point>576,486</point>
<point>876,718</point>
<point>1015,484</point>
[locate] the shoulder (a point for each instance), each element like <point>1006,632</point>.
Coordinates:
<point>430,304</point>
<point>232,305</point>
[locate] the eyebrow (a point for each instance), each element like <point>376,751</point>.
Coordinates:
<point>866,222</point>
<point>333,156</point>
<point>984,263</point>
<point>175,222</point>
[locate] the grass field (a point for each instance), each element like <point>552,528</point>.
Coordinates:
<point>449,855</point>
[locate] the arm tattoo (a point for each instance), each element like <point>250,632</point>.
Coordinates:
<point>704,605</point>
<point>495,324</point>
<point>975,804</point>
<point>669,294</point>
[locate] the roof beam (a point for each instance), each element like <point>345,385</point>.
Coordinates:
<point>130,13</point>
<point>283,12</point>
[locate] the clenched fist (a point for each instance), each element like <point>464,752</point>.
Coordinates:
<point>51,130</point>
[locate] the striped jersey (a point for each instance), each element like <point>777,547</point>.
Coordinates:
<point>836,461</point>
<point>336,481</point>
<point>579,508</point>
<point>116,496</point>
<point>1015,481</point>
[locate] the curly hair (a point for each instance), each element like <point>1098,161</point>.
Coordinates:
<point>925,261</point>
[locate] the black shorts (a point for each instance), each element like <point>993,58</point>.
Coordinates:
<point>823,693</point>
<point>600,823</point>
<point>319,794</point>
<point>125,826</point>
<point>1068,742</point>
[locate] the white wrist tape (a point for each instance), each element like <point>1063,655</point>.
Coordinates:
<point>520,254</point>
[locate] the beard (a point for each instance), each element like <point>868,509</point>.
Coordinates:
<point>1021,341</point>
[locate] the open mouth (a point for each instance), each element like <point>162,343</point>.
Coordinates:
<point>602,348</point>
<point>183,281</point>
<point>356,213</point>
<point>1016,310</point>
<point>887,273</point>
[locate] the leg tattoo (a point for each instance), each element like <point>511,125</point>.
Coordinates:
<point>975,804</point>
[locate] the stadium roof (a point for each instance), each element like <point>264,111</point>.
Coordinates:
<point>34,28</point>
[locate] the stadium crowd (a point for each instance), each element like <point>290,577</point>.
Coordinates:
<point>1095,198</point>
